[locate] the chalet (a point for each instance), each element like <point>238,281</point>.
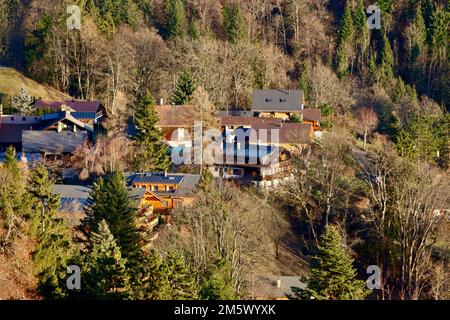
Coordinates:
<point>89,112</point>
<point>177,124</point>
<point>253,164</point>
<point>165,191</point>
<point>284,104</point>
<point>266,131</point>
<point>277,103</point>
<point>56,133</point>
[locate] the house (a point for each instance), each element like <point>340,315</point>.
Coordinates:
<point>254,164</point>
<point>276,287</point>
<point>74,199</point>
<point>177,124</point>
<point>89,112</point>
<point>56,133</point>
<point>277,103</point>
<point>266,131</point>
<point>165,191</point>
<point>284,104</point>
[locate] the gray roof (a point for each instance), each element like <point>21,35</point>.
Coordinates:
<point>52,142</point>
<point>187,183</point>
<point>270,100</point>
<point>154,177</point>
<point>80,194</point>
<point>268,286</point>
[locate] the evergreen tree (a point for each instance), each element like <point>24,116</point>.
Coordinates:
<point>419,34</point>
<point>387,58</point>
<point>105,275</point>
<point>53,238</point>
<point>234,23</point>
<point>332,274</point>
<point>218,284</point>
<point>153,154</point>
<point>345,46</point>
<point>440,21</point>
<point>175,18</point>
<point>170,278</point>
<point>110,201</point>
<point>184,89</point>
<point>11,162</point>
<point>193,29</point>
<point>361,34</point>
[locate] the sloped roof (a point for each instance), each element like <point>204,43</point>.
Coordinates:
<point>76,105</point>
<point>270,100</point>
<point>177,116</point>
<point>52,142</point>
<point>267,286</point>
<point>311,114</point>
<point>248,121</point>
<point>62,116</point>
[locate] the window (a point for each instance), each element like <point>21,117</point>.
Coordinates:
<point>170,188</point>
<point>12,118</point>
<point>24,119</point>
<point>236,172</point>
<point>155,188</point>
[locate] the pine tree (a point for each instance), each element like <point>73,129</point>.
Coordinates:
<point>345,46</point>
<point>440,21</point>
<point>176,18</point>
<point>54,245</point>
<point>170,278</point>
<point>105,275</point>
<point>23,102</point>
<point>153,154</point>
<point>332,274</point>
<point>218,285</point>
<point>418,33</point>
<point>193,29</point>
<point>109,201</point>
<point>361,34</point>
<point>234,23</point>
<point>184,89</point>
<point>387,58</point>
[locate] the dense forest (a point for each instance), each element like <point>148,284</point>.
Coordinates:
<point>373,191</point>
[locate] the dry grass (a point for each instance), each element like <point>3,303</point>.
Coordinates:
<point>11,81</point>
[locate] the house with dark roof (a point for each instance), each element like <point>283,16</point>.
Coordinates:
<point>55,133</point>
<point>284,104</point>
<point>165,191</point>
<point>277,101</point>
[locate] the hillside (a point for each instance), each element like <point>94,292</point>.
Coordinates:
<point>11,81</point>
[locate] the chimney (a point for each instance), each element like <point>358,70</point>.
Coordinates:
<point>161,101</point>
<point>165,173</point>
<point>279,284</point>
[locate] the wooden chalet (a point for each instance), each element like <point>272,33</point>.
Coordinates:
<point>165,191</point>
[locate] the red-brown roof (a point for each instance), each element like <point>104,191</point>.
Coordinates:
<point>177,116</point>
<point>311,114</point>
<point>248,121</point>
<point>289,133</point>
